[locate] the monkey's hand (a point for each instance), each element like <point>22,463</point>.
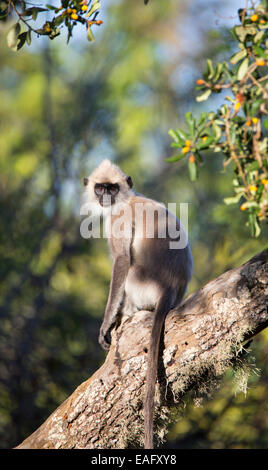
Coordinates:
<point>105,336</point>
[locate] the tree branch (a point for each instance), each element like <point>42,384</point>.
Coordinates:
<point>201,340</point>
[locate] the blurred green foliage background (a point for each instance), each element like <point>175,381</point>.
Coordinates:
<point>62,110</point>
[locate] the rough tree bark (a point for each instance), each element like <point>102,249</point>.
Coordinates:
<point>202,338</point>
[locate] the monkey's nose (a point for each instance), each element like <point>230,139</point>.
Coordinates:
<point>85,181</point>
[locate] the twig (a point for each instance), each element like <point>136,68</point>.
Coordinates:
<point>233,153</point>
<point>21,17</point>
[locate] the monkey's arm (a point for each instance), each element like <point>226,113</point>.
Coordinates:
<point>117,286</point>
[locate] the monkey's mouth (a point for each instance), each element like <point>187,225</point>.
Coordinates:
<point>107,201</point>
<point>106,204</point>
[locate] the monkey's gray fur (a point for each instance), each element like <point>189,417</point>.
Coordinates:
<point>146,273</point>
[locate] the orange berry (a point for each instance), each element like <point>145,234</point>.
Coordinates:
<point>252,188</point>
<point>84,8</point>
<point>248,123</point>
<point>265,181</point>
<point>200,81</point>
<point>243,207</point>
<point>254,120</point>
<point>47,28</point>
<point>74,16</point>
<point>262,21</point>
<point>240,97</point>
<point>187,143</point>
<point>204,138</point>
<point>185,149</point>
<point>191,159</point>
<point>254,17</point>
<point>260,62</point>
<point>237,106</point>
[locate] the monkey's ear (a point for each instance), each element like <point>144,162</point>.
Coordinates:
<point>129,181</point>
<point>85,181</point>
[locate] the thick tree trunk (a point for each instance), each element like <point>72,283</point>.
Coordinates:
<point>202,338</point>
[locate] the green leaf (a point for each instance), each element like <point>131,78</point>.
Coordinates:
<point>253,225</point>
<point>33,12</point>
<point>257,228</point>
<point>204,144</point>
<point>69,33</point>
<point>239,32</point>
<point>255,106</point>
<point>21,40</point>
<point>58,20</point>
<point>238,56</point>
<point>12,35</point>
<point>243,68</point>
<point>51,7</point>
<point>217,131</point>
<point>254,166</point>
<point>211,115</point>
<point>28,37</point>
<point>95,7</point>
<point>90,34</point>
<point>219,69</point>
<point>210,70</point>
<point>251,204</point>
<point>182,135</point>
<point>263,26</point>
<point>258,36</point>
<point>198,156</point>
<point>263,144</point>
<point>243,31</point>
<point>175,158</point>
<point>41,31</point>
<point>202,119</point>
<point>191,123</point>
<point>232,200</point>
<point>251,29</point>
<point>204,96</point>
<point>192,167</point>
<point>234,34</point>
<point>174,135</point>
<point>258,51</point>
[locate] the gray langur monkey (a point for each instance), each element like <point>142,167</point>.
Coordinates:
<point>147,274</point>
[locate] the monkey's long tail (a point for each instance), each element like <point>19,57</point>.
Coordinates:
<point>163,307</point>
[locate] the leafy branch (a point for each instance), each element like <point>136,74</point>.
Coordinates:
<point>236,130</point>
<point>68,14</point>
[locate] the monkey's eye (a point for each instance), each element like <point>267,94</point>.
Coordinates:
<point>99,189</point>
<point>113,189</point>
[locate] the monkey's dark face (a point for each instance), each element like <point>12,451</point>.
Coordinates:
<point>106,193</point>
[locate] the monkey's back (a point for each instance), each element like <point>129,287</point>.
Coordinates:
<point>151,248</point>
